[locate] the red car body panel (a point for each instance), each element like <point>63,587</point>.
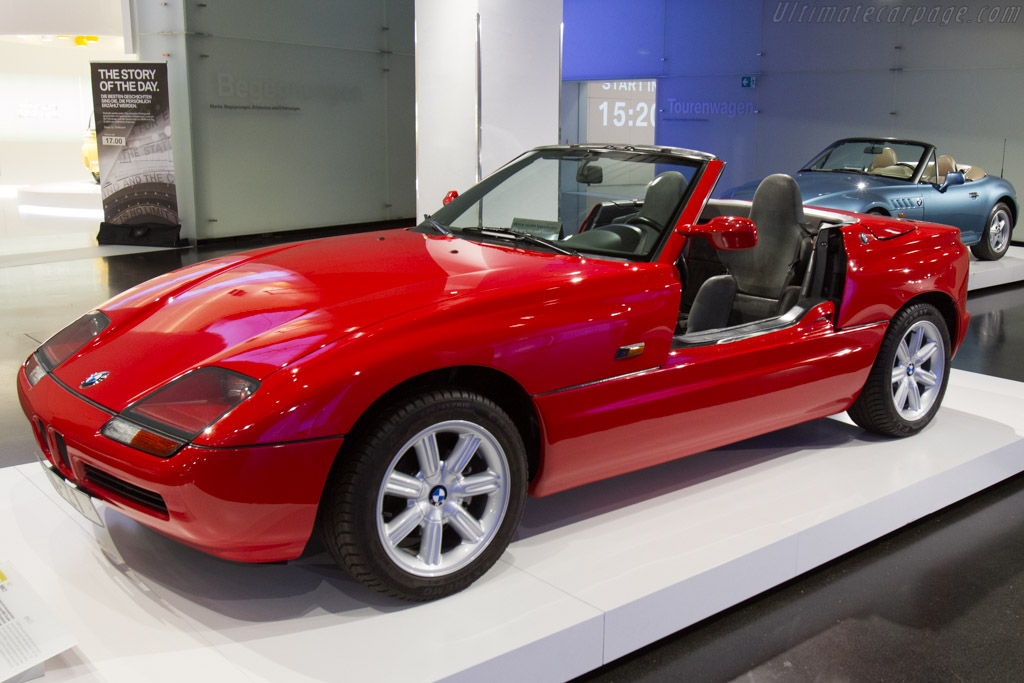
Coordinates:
<point>330,326</point>
<point>691,404</point>
<point>255,504</point>
<point>874,265</point>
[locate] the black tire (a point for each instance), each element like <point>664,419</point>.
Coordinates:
<point>995,239</point>
<point>424,554</point>
<point>878,212</point>
<point>886,406</point>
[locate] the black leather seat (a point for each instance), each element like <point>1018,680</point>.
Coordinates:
<point>661,200</point>
<point>640,231</point>
<point>761,280</point>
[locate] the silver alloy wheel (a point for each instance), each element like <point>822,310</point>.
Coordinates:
<point>443,498</point>
<point>999,230</point>
<point>918,370</point>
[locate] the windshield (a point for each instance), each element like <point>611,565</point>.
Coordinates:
<point>613,202</point>
<point>887,158</point>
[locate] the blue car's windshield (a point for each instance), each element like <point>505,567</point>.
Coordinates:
<point>887,158</point>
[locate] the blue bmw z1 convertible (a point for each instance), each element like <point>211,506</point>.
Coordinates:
<point>909,179</point>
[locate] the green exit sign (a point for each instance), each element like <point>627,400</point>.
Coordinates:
<point>748,81</point>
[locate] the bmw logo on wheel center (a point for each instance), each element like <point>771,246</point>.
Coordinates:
<point>438,496</point>
<point>94,379</point>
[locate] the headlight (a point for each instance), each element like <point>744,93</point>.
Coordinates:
<point>174,414</point>
<point>65,343</point>
<point>34,370</point>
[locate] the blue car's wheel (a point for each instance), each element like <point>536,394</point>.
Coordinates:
<point>996,238</point>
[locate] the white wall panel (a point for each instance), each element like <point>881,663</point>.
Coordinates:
<point>792,45</point>
<point>801,113</point>
<point>968,113</point>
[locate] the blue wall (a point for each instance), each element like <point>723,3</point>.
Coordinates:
<point>916,70</point>
<point>611,39</point>
<point>698,51</point>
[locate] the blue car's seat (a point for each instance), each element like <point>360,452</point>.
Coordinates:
<point>884,159</point>
<point>761,280</point>
<point>946,164</point>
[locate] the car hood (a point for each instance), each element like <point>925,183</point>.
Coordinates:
<point>816,186</point>
<point>257,312</point>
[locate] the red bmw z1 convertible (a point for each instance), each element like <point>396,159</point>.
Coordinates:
<point>583,312</point>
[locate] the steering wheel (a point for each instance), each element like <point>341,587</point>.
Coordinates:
<point>645,222</point>
<point>630,236</point>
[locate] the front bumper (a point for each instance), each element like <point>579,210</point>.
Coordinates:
<point>251,504</point>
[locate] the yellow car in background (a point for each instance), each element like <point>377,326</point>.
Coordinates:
<point>89,154</point>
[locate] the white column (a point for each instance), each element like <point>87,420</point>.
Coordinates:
<point>488,82</point>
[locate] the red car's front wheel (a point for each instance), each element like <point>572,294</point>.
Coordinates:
<point>428,499</point>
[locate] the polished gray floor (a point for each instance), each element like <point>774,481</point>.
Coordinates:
<point>942,599</point>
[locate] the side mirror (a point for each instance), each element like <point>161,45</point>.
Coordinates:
<point>448,198</point>
<point>952,178</point>
<point>725,233</point>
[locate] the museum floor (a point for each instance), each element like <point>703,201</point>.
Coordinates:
<point>941,599</point>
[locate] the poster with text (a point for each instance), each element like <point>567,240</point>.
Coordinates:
<point>133,141</point>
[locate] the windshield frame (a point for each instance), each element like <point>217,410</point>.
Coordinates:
<point>927,149</point>
<point>687,160</point>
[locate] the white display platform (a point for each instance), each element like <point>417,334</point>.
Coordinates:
<point>594,574</point>
<point>1008,269</point>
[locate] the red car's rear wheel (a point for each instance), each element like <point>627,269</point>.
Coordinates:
<point>908,379</point>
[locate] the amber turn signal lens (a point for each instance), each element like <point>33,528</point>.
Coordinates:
<point>133,435</point>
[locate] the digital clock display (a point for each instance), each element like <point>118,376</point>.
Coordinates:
<point>640,115</point>
<point>621,111</point>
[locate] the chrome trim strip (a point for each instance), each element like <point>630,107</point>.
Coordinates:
<point>479,103</point>
<point>600,381</point>
<point>86,399</point>
<point>857,327</point>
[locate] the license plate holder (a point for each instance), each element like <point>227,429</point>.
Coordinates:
<point>73,495</point>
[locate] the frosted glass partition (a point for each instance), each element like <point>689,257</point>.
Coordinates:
<point>301,115</point>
